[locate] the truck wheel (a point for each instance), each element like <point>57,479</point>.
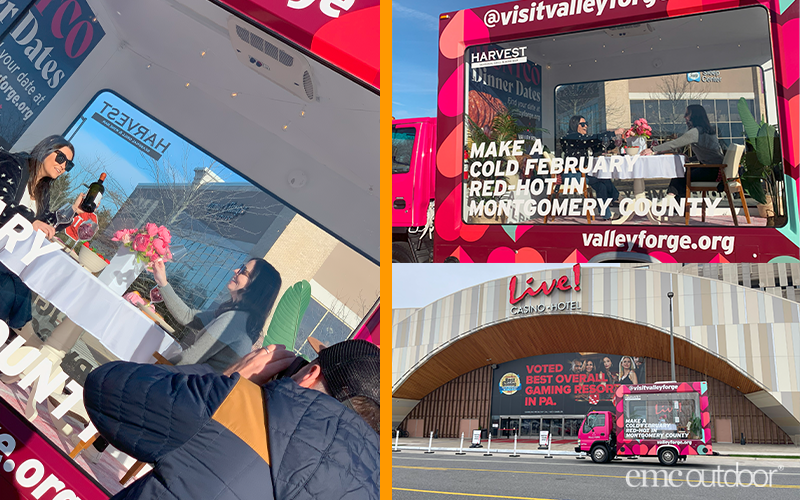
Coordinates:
<point>402,253</point>
<point>667,456</point>
<point>599,454</point>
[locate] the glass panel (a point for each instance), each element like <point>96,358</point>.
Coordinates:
<point>722,110</point>
<point>402,147</point>
<point>571,426</point>
<point>205,221</point>
<point>733,106</point>
<point>724,130</point>
<point>508,101</point>
<point>637,110</point>
<point>651,111</point>
<point>556,427</point>
<point>662,416</point>
<point>708,105</point>
<point>546,423</point>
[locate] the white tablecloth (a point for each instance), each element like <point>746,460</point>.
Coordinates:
<point>648,167</point>
<point>118,325</point>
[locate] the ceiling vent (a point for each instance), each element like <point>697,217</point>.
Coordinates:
<point>629,30</point>
<point>273,59</point>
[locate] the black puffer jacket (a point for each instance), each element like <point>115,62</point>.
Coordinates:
<point>207,437</point>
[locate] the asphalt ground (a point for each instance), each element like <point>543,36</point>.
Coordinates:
<point>443,475</point>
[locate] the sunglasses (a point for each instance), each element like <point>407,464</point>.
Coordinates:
<point>583,124</point>
<point>61,159</point>
<point>243,271</point>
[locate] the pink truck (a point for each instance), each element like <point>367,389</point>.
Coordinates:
<point>669,420</point>
<point>475,183</point>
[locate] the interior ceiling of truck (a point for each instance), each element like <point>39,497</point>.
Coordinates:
<point>319,155</point>
<point>732,38</point>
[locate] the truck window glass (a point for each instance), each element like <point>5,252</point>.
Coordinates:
<point>547,119</point>
<point>218,219</point>
<point>662,416</point>
<point>402,147</point>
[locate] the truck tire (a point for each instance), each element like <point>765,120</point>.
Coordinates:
<point>667,456</point>
<point>599,454</point>
<point>402,253</point>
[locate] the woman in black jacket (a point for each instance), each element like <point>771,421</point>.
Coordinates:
<point>25,181</point>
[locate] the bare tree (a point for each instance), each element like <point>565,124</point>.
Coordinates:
<point>675,92</point>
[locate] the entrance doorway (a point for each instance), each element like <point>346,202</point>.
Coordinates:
<point>528,426</point>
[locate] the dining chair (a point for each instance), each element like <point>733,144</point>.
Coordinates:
<point>557,190</point>
<point>730,172</point>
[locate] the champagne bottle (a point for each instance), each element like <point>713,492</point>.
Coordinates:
<point>94,195</point>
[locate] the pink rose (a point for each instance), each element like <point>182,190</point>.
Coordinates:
<point>140,242</point>
<point>160,246</point>
<point>118,235</point>
<point>151,229</point>
<point>165,235</point>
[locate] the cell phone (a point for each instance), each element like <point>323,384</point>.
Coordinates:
<point>297,365</point>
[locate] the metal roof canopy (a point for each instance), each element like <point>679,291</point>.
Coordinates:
<point>152,49</point>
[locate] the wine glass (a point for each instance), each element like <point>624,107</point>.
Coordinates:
<point>178,252</point>
<point>87,230</point>
<point>155,295</point>
<point>65,214</point>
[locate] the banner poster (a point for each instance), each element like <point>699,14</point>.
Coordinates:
<point>504,83</point>
<point>562,384</point>
<point>40,51</point>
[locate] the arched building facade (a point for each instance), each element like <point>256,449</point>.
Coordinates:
<point>735,325</point>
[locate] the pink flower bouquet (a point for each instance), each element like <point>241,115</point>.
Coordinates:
<point>150,243</point>
<point>639,128</point>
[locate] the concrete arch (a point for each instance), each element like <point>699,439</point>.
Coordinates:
<point>536,335</point>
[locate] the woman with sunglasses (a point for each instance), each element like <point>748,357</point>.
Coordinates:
<point>576,144</point>
<point>227,332</point>
<point>25,182</point>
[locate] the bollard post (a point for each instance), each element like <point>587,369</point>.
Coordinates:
<point>461,447</point>
<point>489,446</point>
<point>515,446</point>
<point>549,440</point>
<point>396,442</point>
<point>430,444</point>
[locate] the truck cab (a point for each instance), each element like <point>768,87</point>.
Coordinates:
<point>413,173</point>
<point>596,436</point>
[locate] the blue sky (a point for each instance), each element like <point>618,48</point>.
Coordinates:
<point>123,163</point>
<point>415,50</point>
<point>417,285</point>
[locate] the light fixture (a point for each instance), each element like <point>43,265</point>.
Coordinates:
<point>234,94</point>
<point>187,85</point>
<point>202,53</point>
<point>148,66</point>
<point>303,112</point>
<point>285,127</point>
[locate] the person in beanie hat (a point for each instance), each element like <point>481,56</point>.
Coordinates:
<point>309,433</point>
